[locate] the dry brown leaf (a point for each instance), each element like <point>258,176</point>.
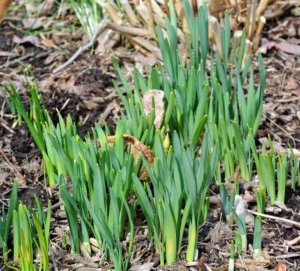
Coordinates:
<point>284,224</point>
<point>145,60</point>
<point>280,267</point>
<point>66,82</point>
<point>44,8</point>
<point>49,59</point>
<point>285,47</point>
<point>48,42</point>
<point>33,23</point>
<point>4,4</point>
<point>291,84</point>
<point>31,39</point>
<point>137,149</point>
<point>106,41</point>
<point>158,96</point>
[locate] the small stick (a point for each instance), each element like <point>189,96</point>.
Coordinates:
<point>83,48</point>
<point>53,260</point>
<point>262,6</point>
<point>134,31</point>
<point>147,45</point>
<point>259,30</point>
<point>16,60</point>
<point>129,12</point>
<point>54,206</point>
<point>150,17</point>
<point>275,218</point>
<point>215,33</point>
<point>251,12</point>
<point>142,11</point>
<point>247,52</point>
<point>111,10</point>
<point>156,8</point>
<point>22,178</point>
<point>167,8</point>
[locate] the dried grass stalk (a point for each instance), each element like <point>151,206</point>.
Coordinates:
<point>150,17</point>
<point>215,32</point>
<point>259,30</point>
<point>248,49</point>
<point>238,37</point>
<point>181,15</point>
<point>251,19</point>
<point>147,45</point>
<point>263,4</point>
<point>157,10</point>
<point>134,31</point>
<point>142,11</point>
<point>129,12</point>
<point>111,10</point>
<point>214,7</point>
<point>167,10</point>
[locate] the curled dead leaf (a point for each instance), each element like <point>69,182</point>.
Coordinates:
<point>158,96</point>
<point>137,149</point>
<point>280,267</point>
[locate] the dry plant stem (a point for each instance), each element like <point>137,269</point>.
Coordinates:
<point>134,31</point>
<point>248,15</point>
<point>283,130</point>
<point>288,100</point>
<point>259,30</point>
<point>275,218</point>
<point>248,48</point>
<point>82,49</point>
<point>215,5</point>
<point>238,8</point>
<point>251,19</point>
<point>15,60</point>
<point>181,15</point>
<point>194,5</point>
<point>111,10</point>
<point>53,260</point>
<point>262,6</point>
<point>147,45</point>
<point>160,21</point>
<point>129,12</point>
<point>142,11</point>
<point>21,177</point>
<point>275,14</point>
<point>54,206</point>
<point>215,28</point>
<point>138,47</point>
<point>3,123</point>
<point>156,9</point>
<point>167,8</point>
<point>150,17</point>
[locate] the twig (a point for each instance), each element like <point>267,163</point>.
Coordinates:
<point>288,100</point>
<point>83,48</point>
<point>150,17</point>
<point>275,218</point>
<point>22,178</point>
<point>111,10</point>
<point>54,206</point>
<point>53,260</point>
<point>130,13</point>
<point>134,31</point>
<point>15,60</point>
<point>257,37</point>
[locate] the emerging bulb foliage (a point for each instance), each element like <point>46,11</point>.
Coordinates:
<point>166,143</point>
